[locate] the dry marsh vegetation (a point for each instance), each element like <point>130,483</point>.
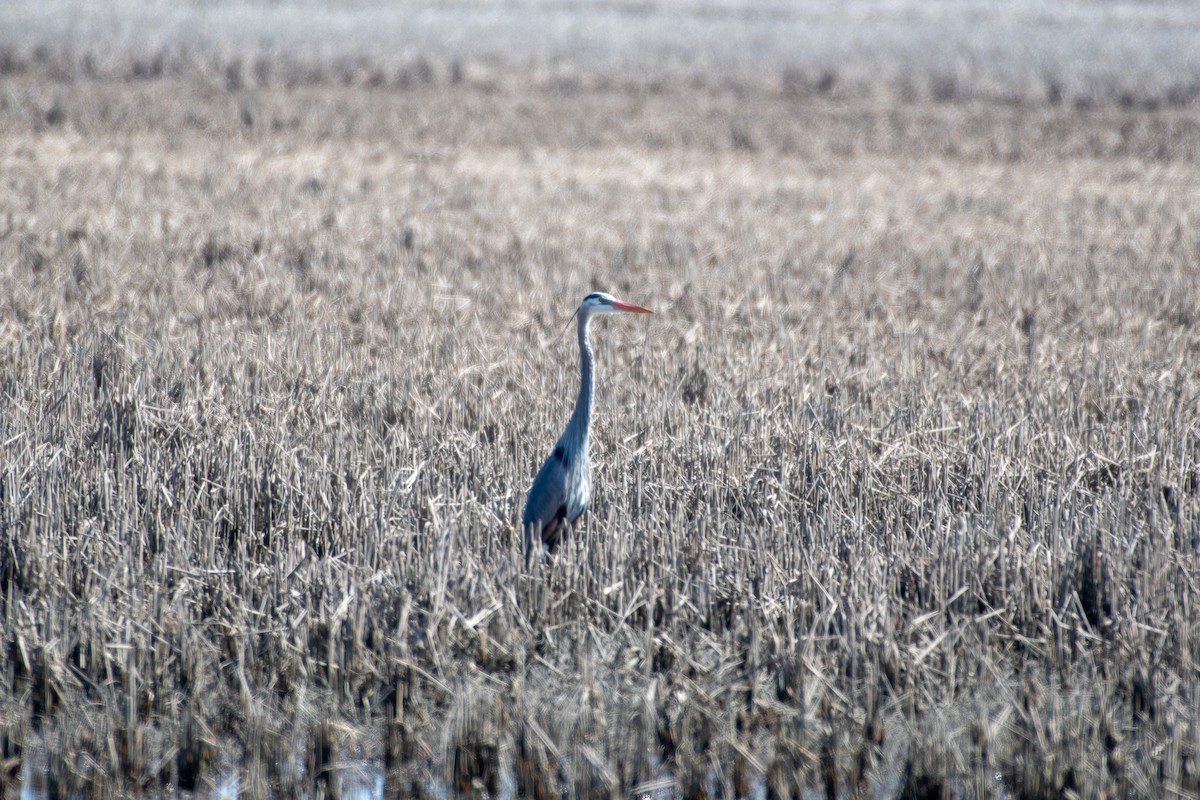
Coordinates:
<point>898,494</point>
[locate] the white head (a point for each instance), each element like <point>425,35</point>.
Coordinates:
<point>602,303</point>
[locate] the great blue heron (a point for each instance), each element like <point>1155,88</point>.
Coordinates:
<point>562,488</point>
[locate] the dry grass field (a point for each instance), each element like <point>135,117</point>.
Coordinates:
<point>897,495</point>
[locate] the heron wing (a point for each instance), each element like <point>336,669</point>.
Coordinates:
<point>546,505</point>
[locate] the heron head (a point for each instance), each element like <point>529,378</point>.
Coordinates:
<point>602,303</point>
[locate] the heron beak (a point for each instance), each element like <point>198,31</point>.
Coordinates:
<point>630,307</point>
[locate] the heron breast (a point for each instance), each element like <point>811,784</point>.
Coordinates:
<point>579,490</point>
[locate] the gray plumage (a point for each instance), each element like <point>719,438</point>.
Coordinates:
<point>560,493</point>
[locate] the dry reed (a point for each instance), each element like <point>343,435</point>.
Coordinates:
<point>898,494</point>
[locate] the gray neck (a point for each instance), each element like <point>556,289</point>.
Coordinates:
<point>581,420</point>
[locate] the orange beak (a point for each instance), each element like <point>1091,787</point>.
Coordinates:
<point>630,307</point>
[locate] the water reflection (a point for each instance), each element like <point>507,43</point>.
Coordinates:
<point>359,780</point>
<point>33,776</point>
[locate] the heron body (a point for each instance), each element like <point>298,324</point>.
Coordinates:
<point>559,495</point>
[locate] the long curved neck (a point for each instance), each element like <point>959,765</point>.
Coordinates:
<point>581,420</point>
